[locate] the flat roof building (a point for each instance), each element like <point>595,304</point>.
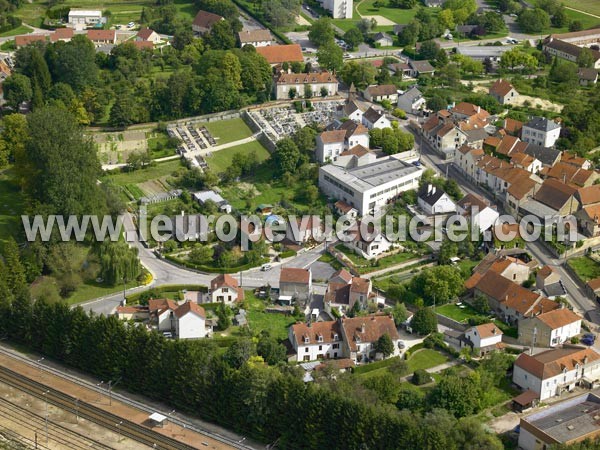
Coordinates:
<point>481,52</point>
<point>367,188</point>
<point>567,422</point>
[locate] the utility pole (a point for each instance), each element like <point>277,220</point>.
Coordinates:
<point>118,425</point>
<point>45,394</point>
<point>111,386</point>
<point>77,410</point>
<point>39,361</point>
<point>124,289</point>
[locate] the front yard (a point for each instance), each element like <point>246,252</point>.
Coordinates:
<point>366,266</point>
<point>422,359</point>
<point>276,324</point>
<point>462,313</point>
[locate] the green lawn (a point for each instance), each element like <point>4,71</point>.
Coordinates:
<point>23,29</point>
<point>585,267</point>
<point>364,265</point>
<point>457,313</point>
<point>276,324</point>
<point>426,359</point>
<point>590,6</point>
<point>150,173</point>
<point>220,161</point>
<point>91,290</point>
<point>397,15</point>
<point>225,131</point>
<point>11,207</point>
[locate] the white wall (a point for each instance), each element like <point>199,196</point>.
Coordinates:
<point>562,334</point>
<point>328,151</point>
<point>358,139</point>
<point>312,352</point>
<point>191,326</point>
<point>527,440</point>
<point>164,321</point>
<point>229,295</point>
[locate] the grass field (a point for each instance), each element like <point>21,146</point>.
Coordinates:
<point>363,265</point>
<point>276,324</point>
<point>398,15</point>
<point>11,207</point>
<point>220,161</point>
<point>586,268</point>
<point>16,31</point>
<point>225,131</point>
<point>150,173</point>
<point>457,313</point>
<point>590,6</point>
<point>426,359</point>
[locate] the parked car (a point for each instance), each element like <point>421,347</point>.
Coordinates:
<point>588,339</point>
<point>266,267</point>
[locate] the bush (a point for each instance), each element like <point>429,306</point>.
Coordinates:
<point>435,340</point>
<point>421,377</point>
<point>424,321</point>
<point>574,340</point>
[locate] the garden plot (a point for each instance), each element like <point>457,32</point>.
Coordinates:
<point>115,148</point>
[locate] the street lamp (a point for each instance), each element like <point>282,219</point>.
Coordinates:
<point>39,362</point>
<point>118,425</point>
<point>111,386</point>
<point>99,386</point>
<point>169,415</point>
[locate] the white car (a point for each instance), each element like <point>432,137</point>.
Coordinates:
<point>130,25</point>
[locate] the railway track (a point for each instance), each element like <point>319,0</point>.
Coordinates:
<point>239,444</point>
<point>66,437</point>
<point>90,412</point>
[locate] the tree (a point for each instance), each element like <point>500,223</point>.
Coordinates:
<point>560,18</point>
<point>122,113</point>
<point>404,4</point>
<point>428,50</point>
<point>201,254</point>
<point>576,25</point>
<point>437,103</point>
<point>585,58</point>
<point>305,139</point>
<point>184,37</point>
<point>74,63</point>
<point>456,394</point>
<point>420,377</point>
<point>533,20</point>
<point>270,350</point>
<point>361,74</point>
<point>221,36</point>
<point>438,284</point>
<point>448,250</point>
<point>410,33</point>
<point>286,156</point>
<point>17,89</point>
<point>424,321</point>
<point>514,58</point>
<point>353,37</point>
<point>292,93</point>
<point>239,352</point>
<point>410,398</point>
<point>400,313</point>
<point>330,56</point>
<point>223,314</point>
<point>61,164</point>
<point>481,304</point>
<point>118,262</point>
<point>321,32</point>
<point>384,345</point>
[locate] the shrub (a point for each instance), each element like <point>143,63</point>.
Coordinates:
<point>420,377</point>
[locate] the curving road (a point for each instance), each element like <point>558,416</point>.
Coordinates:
<point>165,273</point>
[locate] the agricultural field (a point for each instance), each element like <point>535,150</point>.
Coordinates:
<point>115,147</point>
<point>145,182</point>
<point>220,161</point>
<point>585,267</point>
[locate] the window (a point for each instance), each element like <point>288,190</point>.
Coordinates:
<point>305,349</point>
<point>320,347</point>
<point>336,346</point>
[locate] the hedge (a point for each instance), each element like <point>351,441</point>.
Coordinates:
<point>283,38</point>
<point>209,269</point>
<point>134,298</point>
<point>288,254</point>
<point>12,22</point>
<point>58,12</point>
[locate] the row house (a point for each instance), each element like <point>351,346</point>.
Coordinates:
<point>549,329</point>
<point>353,338</point>
<point>555,371</point>
<point>443,135</point>
<point>478,210</point>
<point>588,216</point>
<point>301,83</point>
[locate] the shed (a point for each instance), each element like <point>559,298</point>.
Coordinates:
<point>157,419</point>
<point>526,400</point>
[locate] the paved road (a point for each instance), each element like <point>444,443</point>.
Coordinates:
<point>165,273</point>
<point>577,296</point>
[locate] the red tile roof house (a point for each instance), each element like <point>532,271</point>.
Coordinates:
<point>278,54</point>
<point>344,291</point>
<point>187,321</point>
<point>102,37</point>
<point>549,329</point>
<point>147,35</point>
<point>204,21</point>
<point>504,92</point>
<point>556,371</point>
<point>314,341</point>
<point>225,289</point>
<point>21,41</point>
<point>360,334</point>
<point>62,34</point>
<point>296,283</point>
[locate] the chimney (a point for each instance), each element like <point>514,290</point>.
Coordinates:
<point>429,186</point>
<point>363,327</point>
<point>478,109</point>
<point>182,213</point>
<point>433,189</point>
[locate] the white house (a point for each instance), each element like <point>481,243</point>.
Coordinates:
<point>257,38</point>
<point>191,321</point>
<point>479,210</point>
<point>367,243</point>
<point>331,144</point>
<point>375,119</point>
<point>225,289</point>
<point>304,228</point>
<point>350,110</point>
<point>149,35</point>
<point>378,93</point>
<point>314,341</point>
<point>383,39</point>
<point>484,338</point>
<point>433,200</point>
<point>549,329</point>
<point>541,131</point>
<point>80,18</point>
<point>296,283</point>
<point>161,313</point>
<point>412,101</point>
<point>344,291</point>
<point>555,371</point>
<point>298,85</point>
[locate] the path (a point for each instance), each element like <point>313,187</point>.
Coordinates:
<point>435,369</point>
<point>207,151</point>
<point>121,165</point>
<point>400,266</point>
<point>582,12</point>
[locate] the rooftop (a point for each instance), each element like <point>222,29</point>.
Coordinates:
<point>254,36</point>
<point>294,275</point>
<point>542,124</point>
<point>278,54</point>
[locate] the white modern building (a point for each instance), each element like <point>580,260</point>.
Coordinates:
<point>541,131</point>
<point>339,9</point>
<point>80,18</point>
<point>370,187</point>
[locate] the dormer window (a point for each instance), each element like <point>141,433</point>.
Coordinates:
<point>320,338</point>
<point>306,339</point>
<point>335,337</point>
